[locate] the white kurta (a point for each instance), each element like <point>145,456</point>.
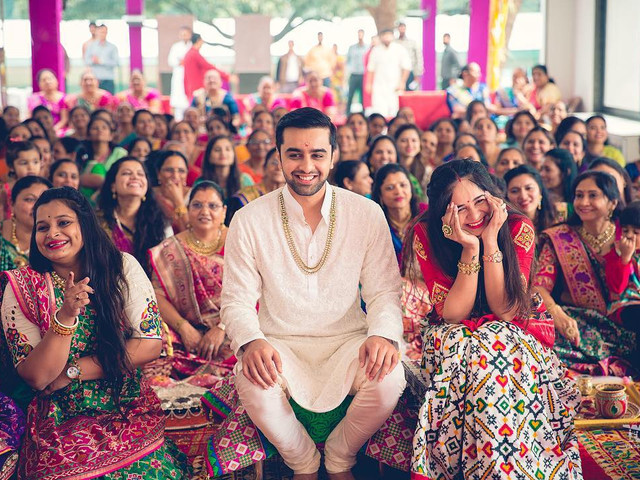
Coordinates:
<point>178,97</point>
<point>314,321</point>
<point>387,64</point>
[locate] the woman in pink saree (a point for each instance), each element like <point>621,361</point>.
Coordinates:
<point>187,277</point>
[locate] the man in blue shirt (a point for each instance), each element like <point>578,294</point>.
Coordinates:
<point>102,57</point>
<point>355,66</point>
<point>467,89</point>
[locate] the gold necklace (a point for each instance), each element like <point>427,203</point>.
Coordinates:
<point>20,259</point>
<point>58,281</point>
<point>596,243</point>
<point>401,226</point>
<point>292,246</point>
<point>201,247</point>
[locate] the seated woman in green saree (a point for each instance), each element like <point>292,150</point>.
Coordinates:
<point>573,282</point>
<point>79,321</point>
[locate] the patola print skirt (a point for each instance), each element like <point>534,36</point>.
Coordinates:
<point>497,405</point>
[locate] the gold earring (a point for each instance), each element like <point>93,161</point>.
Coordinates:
<point>144,198</point>
<point>610,213</point>
<point>114,195</point>
<point>540,205</point>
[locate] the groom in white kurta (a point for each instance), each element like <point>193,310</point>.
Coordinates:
<point>311,339</point>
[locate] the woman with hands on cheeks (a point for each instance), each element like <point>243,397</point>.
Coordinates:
<point>79,321</point>
<point>487,337</point>
<point>170,193</point>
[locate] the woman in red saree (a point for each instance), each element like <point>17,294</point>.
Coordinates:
<point>79,321</point>
<point>496,403</point>
<point>187,277</point>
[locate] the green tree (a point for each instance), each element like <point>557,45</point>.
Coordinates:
<point>297,12</point>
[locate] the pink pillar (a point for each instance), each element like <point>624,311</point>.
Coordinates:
<point>429,44</point>
<point>135,7</point>
<point>46,49</point>
<point>479,34</point>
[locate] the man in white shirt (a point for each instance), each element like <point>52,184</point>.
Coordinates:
<point>178,100</point>
<point>308,253</point>
<point>389,66</point>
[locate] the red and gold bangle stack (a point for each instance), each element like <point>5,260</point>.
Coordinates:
<point>62,329</point>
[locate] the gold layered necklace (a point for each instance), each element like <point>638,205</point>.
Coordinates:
<point>597,242</point>
<point>292,246</point>
<point>20,261</point>
<point>58,281</point>
<point>203,248</point>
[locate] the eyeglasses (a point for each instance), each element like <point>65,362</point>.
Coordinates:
<point>212,206</point>
<point>171,171</point>
<point>260,142</point>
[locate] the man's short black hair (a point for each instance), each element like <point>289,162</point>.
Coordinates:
<point>306,118</point>
<point>195,37</point>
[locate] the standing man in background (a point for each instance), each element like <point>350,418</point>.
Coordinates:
<point>321,60</point>
<point>289,70</point>
<point>415,75</point>
<point>102,57</point>
<point>92,31</point>
<point>178,99</point>
<point>388,69</point>
<point>195,66</point>
<point>355,67</point>
<point>450,66</point>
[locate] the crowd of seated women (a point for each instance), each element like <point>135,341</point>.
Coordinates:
<point>114,219</point>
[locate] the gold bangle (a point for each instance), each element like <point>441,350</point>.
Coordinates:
<point>61,328</point>
<point>468,268</point>
<point>221,326</point>
<point>180,211</point>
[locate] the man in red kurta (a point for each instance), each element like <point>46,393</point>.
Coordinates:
<point>195,66</point>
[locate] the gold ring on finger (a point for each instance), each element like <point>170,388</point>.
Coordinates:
<point>447,230</point>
